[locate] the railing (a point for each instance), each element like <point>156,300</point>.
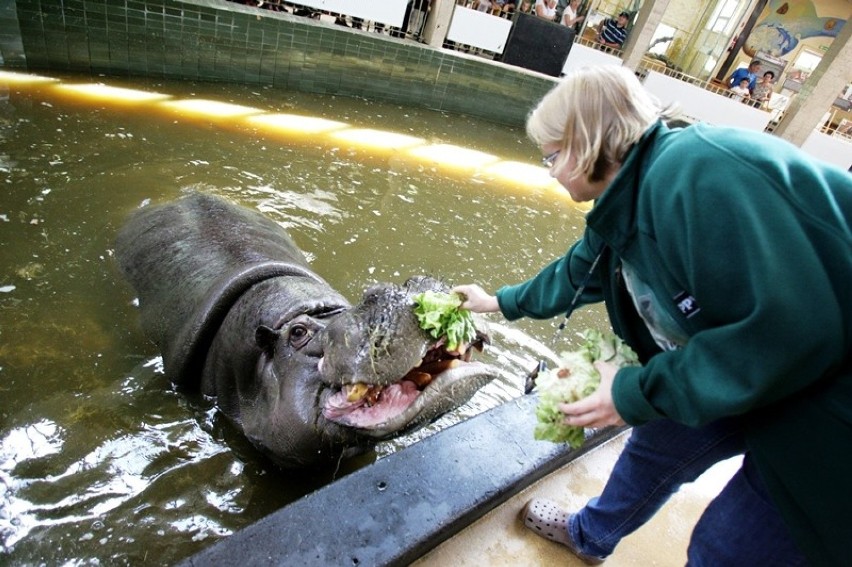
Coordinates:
<point>489,7</point>
<point>415,20</point>
<point>650,64</point>
<point>412,26</point>
<point>599,46</point>
<point>834,126</point>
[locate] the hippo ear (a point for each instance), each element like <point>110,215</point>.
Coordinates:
<point>266,338</point>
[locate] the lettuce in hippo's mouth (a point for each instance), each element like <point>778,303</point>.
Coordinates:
<point>441,315</point>
<point>371,406</point>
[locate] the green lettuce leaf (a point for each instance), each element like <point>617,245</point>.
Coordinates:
<point>440,315</point>
<point>575,378</point>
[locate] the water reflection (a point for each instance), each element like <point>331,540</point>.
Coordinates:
<point>100,460</point>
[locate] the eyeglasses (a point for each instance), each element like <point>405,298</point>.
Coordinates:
<point>550,161</point>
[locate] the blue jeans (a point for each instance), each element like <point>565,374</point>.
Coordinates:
<point>741,526</point>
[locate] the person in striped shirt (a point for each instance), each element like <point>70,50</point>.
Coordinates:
<point>613,32</point>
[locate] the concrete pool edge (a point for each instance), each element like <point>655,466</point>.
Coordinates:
<point>395,510</point>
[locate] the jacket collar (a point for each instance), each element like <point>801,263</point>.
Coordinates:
<point>613,215</point>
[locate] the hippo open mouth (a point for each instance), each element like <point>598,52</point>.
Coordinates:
<point>378,410</point>
<point>383,375</point>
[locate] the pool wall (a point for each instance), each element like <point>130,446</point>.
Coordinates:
<point>216,40</point>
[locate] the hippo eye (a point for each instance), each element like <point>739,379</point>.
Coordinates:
<point>299,335</point>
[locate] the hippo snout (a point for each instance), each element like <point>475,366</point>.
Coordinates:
<point>384,373</point>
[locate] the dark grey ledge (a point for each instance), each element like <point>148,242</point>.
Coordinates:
<point>400,507</point>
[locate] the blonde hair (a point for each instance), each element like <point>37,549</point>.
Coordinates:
<point>595,114</point>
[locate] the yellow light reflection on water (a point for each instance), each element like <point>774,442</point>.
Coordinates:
<point>210,108</point>
<point>112,94</point>
<point>295,123</point>
<point>518,172</point>
<point>452,156</point>
<point>533,177</point>
<point>378,139</point>
<point>23,78</point>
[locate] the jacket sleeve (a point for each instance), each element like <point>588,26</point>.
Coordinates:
<point>550,292</point>
<point>764,250</point>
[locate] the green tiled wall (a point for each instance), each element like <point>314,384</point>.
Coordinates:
<point>218,40</point>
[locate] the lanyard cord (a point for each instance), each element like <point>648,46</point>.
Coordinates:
<point>542,364</point>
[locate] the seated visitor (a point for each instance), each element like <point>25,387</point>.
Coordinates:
<point>569,15</point>
<point>613,32</point>
<point>546,9</point>
<point>505,5</point>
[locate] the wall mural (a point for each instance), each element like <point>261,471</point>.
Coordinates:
<point>784,23</point>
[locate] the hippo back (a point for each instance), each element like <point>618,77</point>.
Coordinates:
<point>189,261</point>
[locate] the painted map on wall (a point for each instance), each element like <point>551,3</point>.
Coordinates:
<point>784,23</point>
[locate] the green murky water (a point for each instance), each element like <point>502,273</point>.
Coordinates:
<point>100,461</point>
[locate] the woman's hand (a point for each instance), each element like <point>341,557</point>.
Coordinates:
<point>477,299</point>
<point>596,410</point>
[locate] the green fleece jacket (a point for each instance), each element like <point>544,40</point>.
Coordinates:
<point>747,243</point>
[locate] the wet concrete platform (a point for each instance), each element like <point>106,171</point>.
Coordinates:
<point>453,499</point>
<point>498,539</point>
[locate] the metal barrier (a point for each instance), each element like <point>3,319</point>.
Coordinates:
<point>599,46</point>
<point>413,23</point>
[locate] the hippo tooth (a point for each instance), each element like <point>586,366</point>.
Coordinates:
<point>355,392</point>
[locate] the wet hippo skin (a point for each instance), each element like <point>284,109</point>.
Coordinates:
<point>239,316</point>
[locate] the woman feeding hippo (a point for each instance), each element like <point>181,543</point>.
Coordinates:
<point>724,259</point>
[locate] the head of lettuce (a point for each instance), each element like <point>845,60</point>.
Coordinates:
<point>573,379</point>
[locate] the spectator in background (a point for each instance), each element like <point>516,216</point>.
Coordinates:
<point>505,5</point>
<point>750,73</point>
<point>546,9</point>
<point>418,18</point>
<point>569,15</point>
<point>307,13</point>
<point>741,91</point>
<point>613,32</point>
<point>400,32</point>
<point>762,91</point>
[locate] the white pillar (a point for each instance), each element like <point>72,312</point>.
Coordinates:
<point>649,17</point>
<point>438,22</point>
<point>819,92</point>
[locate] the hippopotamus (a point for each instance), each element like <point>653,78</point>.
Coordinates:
<point>239,316</point>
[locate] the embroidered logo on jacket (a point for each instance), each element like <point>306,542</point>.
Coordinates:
<point>686,304</point>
